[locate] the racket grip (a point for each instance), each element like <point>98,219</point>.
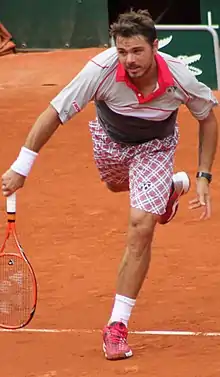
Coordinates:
<point>11,203</point>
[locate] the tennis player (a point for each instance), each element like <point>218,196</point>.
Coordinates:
<point>137,92</point>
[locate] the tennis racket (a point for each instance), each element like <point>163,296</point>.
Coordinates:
<point>18,286</point>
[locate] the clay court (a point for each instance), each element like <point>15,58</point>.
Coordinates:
<point>74,232</point>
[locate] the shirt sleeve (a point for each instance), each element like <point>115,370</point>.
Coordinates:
<point>197,96</point>
<point>200,106</point>
<point>79,92</point>
<point>201,99</point>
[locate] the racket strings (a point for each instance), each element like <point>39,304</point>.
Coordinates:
<point>16,291</point>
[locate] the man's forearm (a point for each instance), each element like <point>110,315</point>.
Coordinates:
<point>208,138</point>
<point>43,129</point>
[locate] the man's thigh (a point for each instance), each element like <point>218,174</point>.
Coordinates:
<point>112,159</point>
<point>150,175</point>
<point>146,169</point>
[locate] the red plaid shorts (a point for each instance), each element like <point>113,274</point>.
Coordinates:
<point>147,168</point>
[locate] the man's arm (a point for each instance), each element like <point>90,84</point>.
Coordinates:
<point>71,100</point>
<point>41,132</point>
<point>208,139</point>
<point>200,103</point>
<point>43,129</point>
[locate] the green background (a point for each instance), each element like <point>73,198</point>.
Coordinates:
<point>190,43</point>
<point>53,23</point>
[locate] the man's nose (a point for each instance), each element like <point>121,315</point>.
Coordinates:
<point>130,58</point>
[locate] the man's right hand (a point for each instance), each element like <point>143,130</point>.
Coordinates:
<point>11,181</point>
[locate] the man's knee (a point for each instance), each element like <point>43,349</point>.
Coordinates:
<point>141,229</point>
<point>140,219</point>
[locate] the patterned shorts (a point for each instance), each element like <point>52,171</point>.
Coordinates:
<point>147,168</point>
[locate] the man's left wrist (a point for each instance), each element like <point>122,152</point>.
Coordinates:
<point>206,175</point>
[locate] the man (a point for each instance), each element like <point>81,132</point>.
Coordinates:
<point>137,92</point>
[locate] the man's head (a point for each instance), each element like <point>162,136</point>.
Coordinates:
<point>135,37</point>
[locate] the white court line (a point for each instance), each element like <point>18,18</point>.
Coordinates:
<point>146,332</point>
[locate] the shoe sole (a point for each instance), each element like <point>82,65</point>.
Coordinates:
<point>119,356</point>
<point>186,181</point>
<point>174,199</point>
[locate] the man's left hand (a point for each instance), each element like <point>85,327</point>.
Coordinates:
<point>203,199</point>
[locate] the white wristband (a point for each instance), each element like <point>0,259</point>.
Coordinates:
<point>24,162</point>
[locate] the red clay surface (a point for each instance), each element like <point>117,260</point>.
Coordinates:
<point>74,232</point>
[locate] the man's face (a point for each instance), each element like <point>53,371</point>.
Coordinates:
<point>136,54</point>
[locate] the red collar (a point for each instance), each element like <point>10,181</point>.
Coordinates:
<point>165,80</point>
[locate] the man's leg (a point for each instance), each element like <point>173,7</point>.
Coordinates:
<point>132,272</point>
<point>153,192</point>
<point>135,263</point>
<point>118,187</point>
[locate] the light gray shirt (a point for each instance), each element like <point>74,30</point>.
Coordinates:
<point>124,113</point>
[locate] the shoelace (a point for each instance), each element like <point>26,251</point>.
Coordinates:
<point>117,333</point>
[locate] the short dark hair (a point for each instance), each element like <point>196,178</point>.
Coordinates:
<point>134,23</point>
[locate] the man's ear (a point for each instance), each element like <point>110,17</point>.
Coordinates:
<point>155,46</point>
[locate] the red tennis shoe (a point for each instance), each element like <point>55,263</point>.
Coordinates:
<point>180,186</point>
<point>115,344</point>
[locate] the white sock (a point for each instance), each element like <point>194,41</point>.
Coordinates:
<point>122,309</point>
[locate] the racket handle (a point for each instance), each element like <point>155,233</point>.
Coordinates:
<point>11,203</point>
